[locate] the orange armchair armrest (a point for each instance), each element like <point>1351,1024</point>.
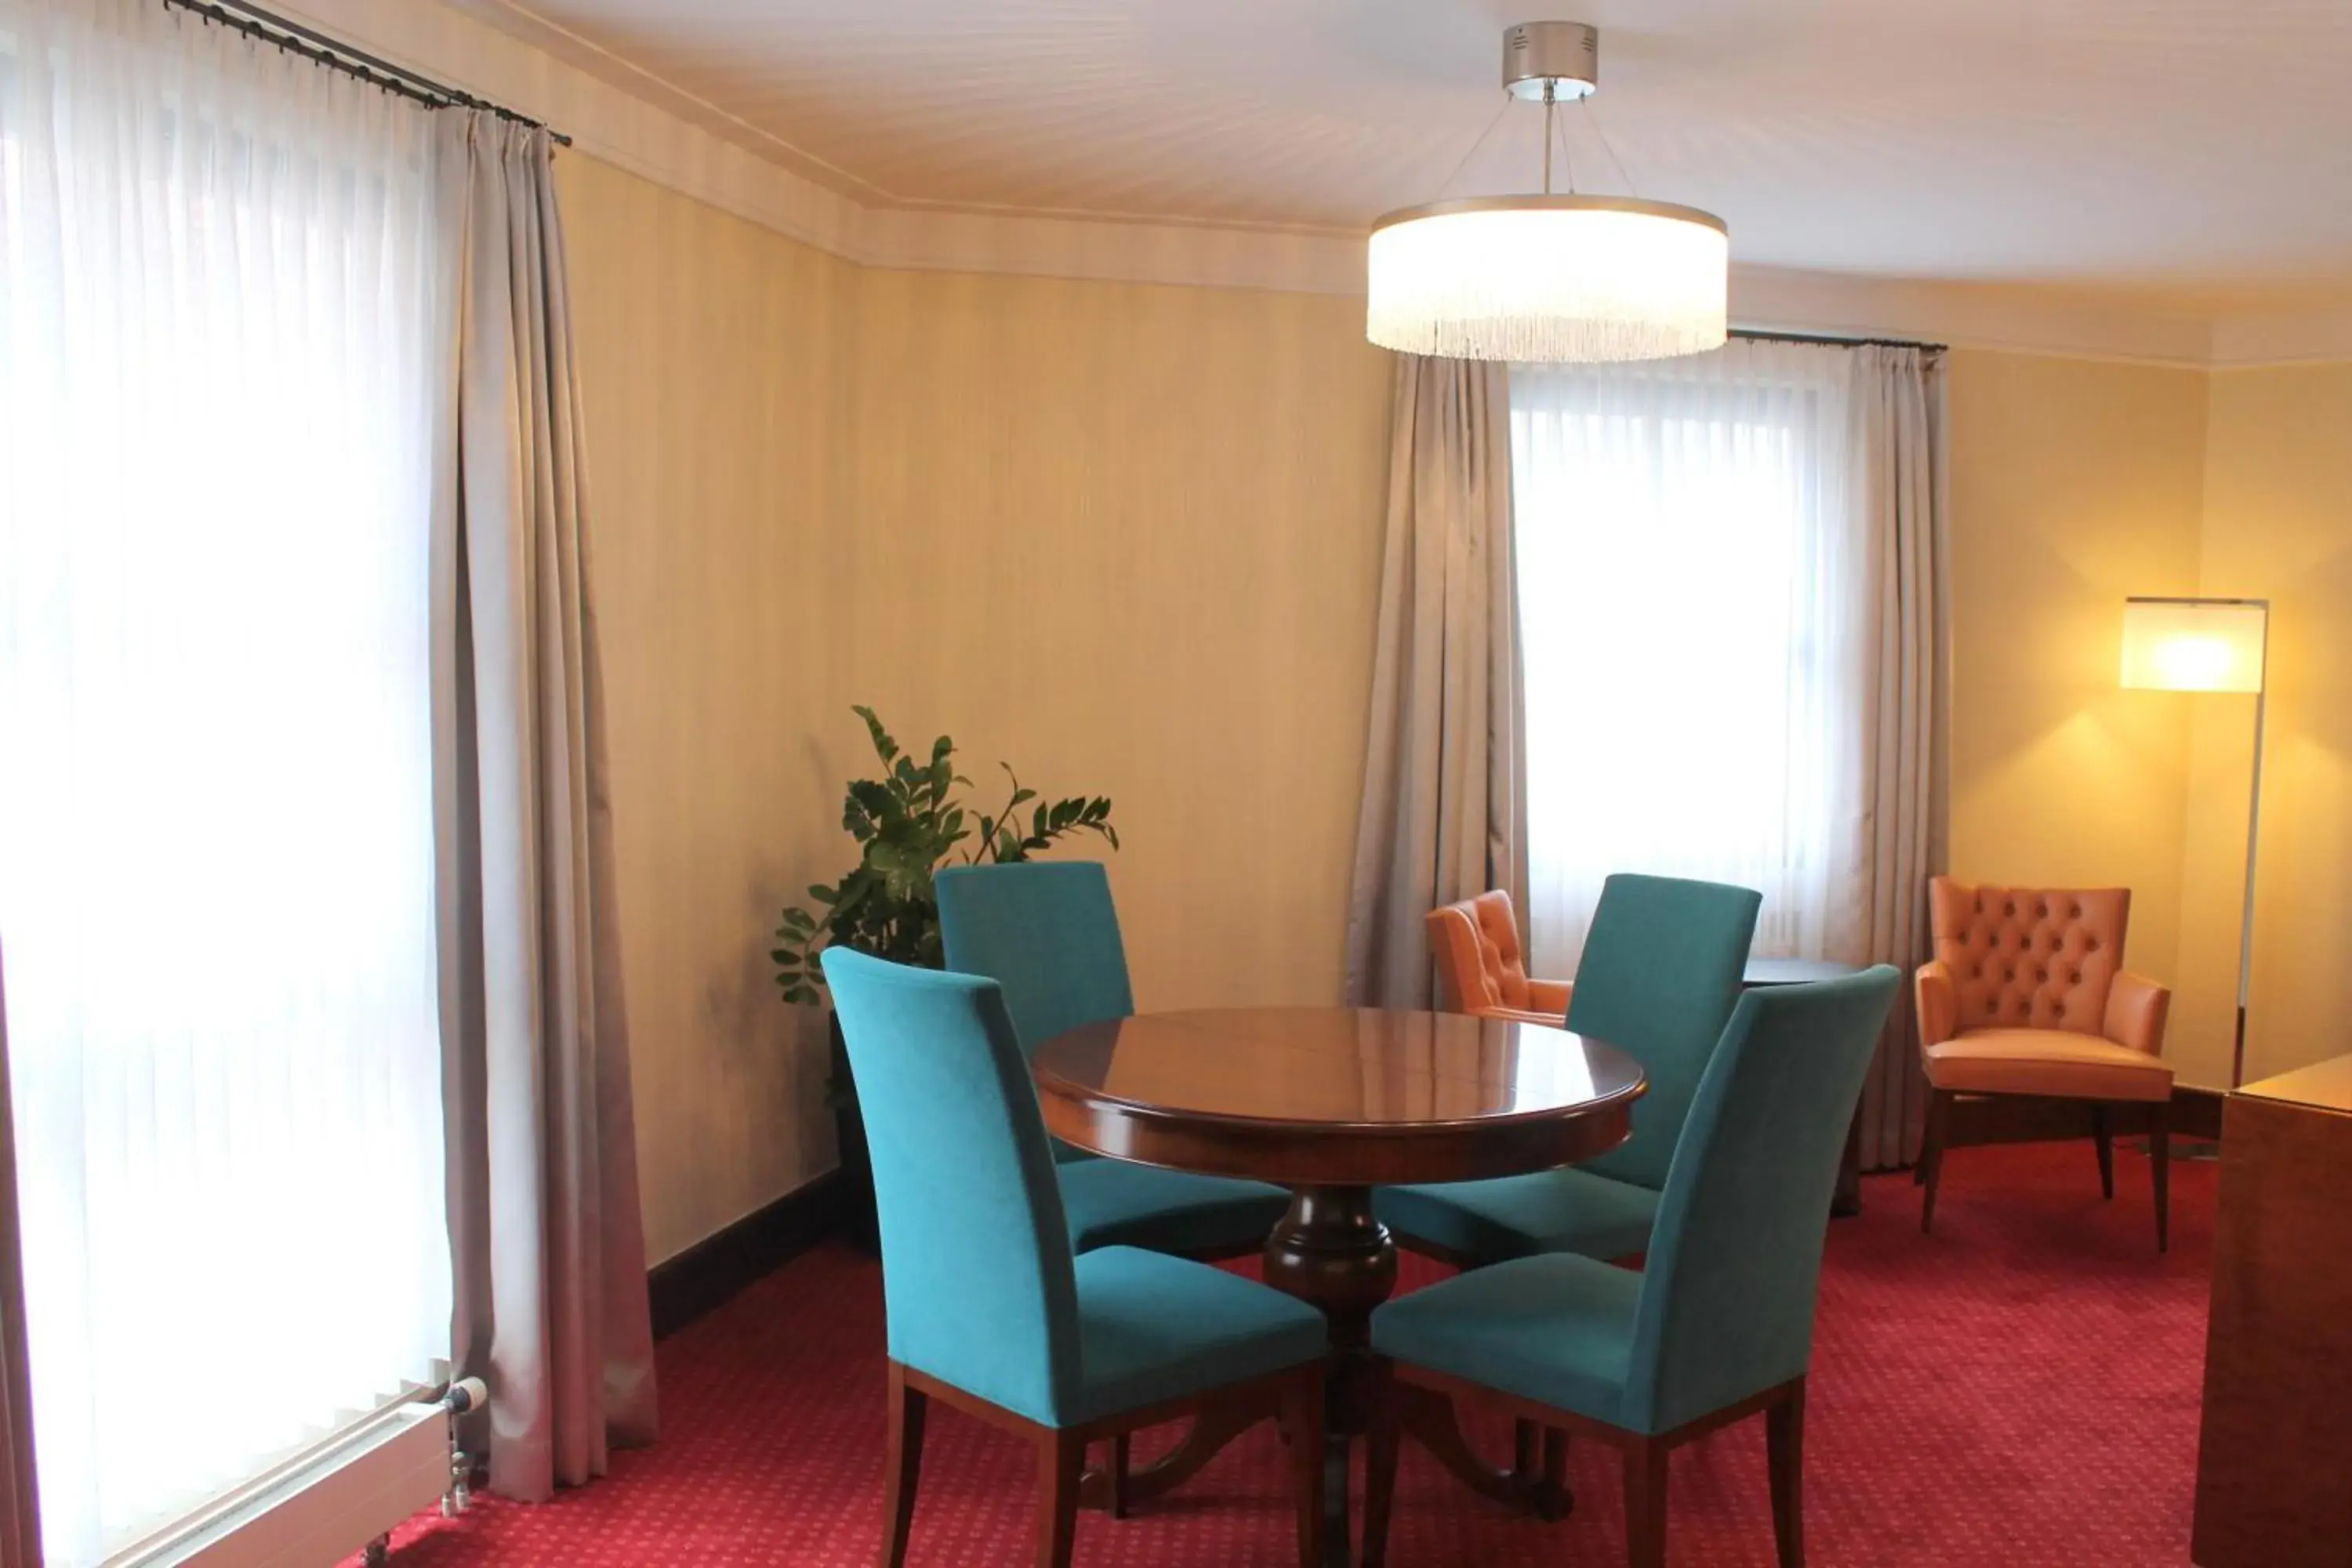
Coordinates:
<point>1939,1003</point>
<point>2136,1007</point>
<point>1549,996</point>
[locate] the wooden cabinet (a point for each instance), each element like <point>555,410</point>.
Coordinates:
<point>2274,1459</point>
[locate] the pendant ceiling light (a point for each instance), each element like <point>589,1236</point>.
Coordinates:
<point>1549,278</point>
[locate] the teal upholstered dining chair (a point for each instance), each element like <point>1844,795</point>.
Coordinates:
<point>1718,1325</point>
<point>1048,934</point>
<point>1659,978</point>
<point>988,1308</point>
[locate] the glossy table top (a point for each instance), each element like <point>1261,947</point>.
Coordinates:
<point>1336,1094</point>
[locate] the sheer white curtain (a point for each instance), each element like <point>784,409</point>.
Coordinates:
<point>222,351</point>
<point>1695,584</point>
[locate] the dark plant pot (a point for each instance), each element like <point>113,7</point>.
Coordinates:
<point>858,1221</point>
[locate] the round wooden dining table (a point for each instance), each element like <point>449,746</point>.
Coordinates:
<point>1331,1102</point>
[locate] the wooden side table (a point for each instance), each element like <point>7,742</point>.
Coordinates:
<point>2274,1455</point>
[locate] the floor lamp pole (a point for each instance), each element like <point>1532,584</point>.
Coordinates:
<point>2253,837</point>
<point>2216,645</point>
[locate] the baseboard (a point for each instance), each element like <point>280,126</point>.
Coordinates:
<point>2017,1119</point>
<point>716,1269</point>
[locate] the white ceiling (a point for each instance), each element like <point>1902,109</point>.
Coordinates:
<point>2200,151</point>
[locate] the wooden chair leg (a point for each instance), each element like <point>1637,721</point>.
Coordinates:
<point>1302,1408</point>
<point>2159,1161</point>
<point>1931,1155</point>
<point>902,1464</point>
<point>1061,1460</point>
<point>1555,1502</point>
<point>1379,1466</point>
<point>2103,1128</point>
<point>1784,1449</point>
<point>1645,1504</point>
<point>1118,1449</point>
<point>1540,1464</point>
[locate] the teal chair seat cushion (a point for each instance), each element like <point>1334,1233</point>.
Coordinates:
<point>1111,1202</point>
<point>1519,1216</point>
<point>1557,1329</point>
<point>1154,1328</point>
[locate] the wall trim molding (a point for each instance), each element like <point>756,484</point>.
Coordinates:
<point>721,1266</point>
<point>623,114</point>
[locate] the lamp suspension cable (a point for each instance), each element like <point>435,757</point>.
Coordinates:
<point>1464,161</point>
<point>333,54</point>
<point>1609,147</point>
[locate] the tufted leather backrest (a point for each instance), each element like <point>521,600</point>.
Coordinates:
<point>1477,945</point>
<point>2029,958</point>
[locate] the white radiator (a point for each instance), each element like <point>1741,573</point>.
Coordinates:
<point>318,1511</point>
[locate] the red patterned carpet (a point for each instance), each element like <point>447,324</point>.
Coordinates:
<point>2019,1390</point>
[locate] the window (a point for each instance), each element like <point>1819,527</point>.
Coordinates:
<point>1692,595</point>
<point>218,375</point>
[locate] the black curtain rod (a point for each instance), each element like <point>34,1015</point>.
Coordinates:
<point>1834,342</point>
<point>295,38</point>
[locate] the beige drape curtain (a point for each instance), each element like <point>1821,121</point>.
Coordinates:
<point>1444,812</point>
<point>1899,429</point>
<point>549,1248</point>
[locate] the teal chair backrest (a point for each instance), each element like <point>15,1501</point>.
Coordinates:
<point>1048,932</point>
<point>1734,1259</point>
<point>977,1280</point>
<point>1659,977</point>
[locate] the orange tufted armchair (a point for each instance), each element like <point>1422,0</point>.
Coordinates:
<point>2027,995</point>
<point>1476,944</point>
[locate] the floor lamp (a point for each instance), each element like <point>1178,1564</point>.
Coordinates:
<point>2210,645</point>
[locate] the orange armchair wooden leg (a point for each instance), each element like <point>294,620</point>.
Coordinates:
<point>2103,1130</point>
<point>1931,1156</point>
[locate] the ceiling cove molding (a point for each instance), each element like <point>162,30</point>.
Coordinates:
<point>2252,340</point>
<point>624,115</point>
<point>490,52</point>
<point>2015,320</point>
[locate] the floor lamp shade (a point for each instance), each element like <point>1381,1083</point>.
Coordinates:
<point>2194,645</point>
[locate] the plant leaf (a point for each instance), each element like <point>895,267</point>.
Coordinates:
<point>884,746</point>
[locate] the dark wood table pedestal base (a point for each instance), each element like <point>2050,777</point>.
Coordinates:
<point>1204,1441</point>
<point>1351,1108</point>
<point>1333,1253</point>
<point>1535,1480</point>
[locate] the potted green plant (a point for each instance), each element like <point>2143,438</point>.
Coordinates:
<point>907,823</point>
